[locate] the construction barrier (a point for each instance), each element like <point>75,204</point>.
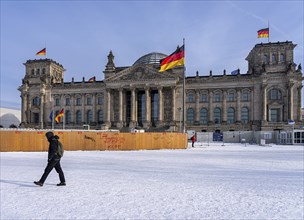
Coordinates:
<point>24,140</point>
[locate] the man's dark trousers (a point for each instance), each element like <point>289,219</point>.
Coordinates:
<point>55,162</point>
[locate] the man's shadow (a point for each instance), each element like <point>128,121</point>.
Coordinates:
<point>18,183</point>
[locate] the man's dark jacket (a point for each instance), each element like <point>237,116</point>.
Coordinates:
<point>53,148</point>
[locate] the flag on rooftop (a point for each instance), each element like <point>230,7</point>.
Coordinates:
<point>41,52</point>
<point>173,60</point>
<point>59,116</point>
<point>92,79</point>
<point>235,72</point>
<point>263,33</point>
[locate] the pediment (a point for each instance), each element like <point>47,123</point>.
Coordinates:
<point>141,73</point>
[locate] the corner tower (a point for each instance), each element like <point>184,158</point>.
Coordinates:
<point>36,88</point>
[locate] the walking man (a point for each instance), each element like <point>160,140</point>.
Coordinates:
<point>53,160</point>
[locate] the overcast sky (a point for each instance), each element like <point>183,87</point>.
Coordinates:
<point>79,34</point>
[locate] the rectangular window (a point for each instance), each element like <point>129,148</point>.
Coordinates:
<point>204,98</point>
<point>275,115</point>
<point>78,101</point>
<point>67,101</point>
<point>231,97</point>
<point>190,98</point>
<point>245,96</point>
<point>89,101</point>
<point>217,97</point>
<point>99,101</point>
<point>57,102</point>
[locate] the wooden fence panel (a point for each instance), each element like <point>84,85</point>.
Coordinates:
<point>21,140</point>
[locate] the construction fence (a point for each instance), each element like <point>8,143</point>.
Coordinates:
<point>35,140</point>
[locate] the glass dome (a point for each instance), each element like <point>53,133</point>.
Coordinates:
<point>151,58</point>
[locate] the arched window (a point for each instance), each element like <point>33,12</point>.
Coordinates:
<point>245,115</point>
<point>78,117</point>
<point>231,116</point>
<point>217,116</point>
<point>204,98</point>
<point>245,96</point>
<point>100,116</point>
<point>231,96</point>
<point>37,72</point>
<point>67,117</point>
<point>190,97</point>
<point>217,97</point>
<point>273,58</point>
<point>203,116</point>
<point>190,116</point>
<point>99,100</point>
<point>89,116</point>
<point>43,71</point>
<point>78,101</point>
<point>89,101</point>
<point>265,59</point>
<point>36,101</point>
<point>275,94</point>
<point>282,57</point>
<point>33,72</point>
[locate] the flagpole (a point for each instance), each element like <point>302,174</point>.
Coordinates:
<point>184,88</point>
<point>45,49</point>
<point>52,103</point>
<point>63,124</point>
<point>268,32</point>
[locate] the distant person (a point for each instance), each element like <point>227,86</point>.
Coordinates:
<point>193,139</point>
<point>54,155</point>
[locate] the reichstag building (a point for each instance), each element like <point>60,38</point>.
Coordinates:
<point>138,96</point>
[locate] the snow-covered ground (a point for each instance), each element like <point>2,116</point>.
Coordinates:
<point>205,182</point>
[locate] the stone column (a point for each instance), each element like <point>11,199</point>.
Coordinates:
<point>120,113</point>
<point>291,86</point>
<point>252,106</point>
<point>120,105</point>
<point>133,108</point>
<point>108,119</point>
<point>197,107</point>
<point>41,110</point>
<point>82,108</point>
<point>29,106</point>
<point>210,110</point>
<point>224,120</point>
<point>24,108</point>
<point>173,105</point>
<point>299,118</point>
<point>94,108</point>
<point>73,113</point>
<point>160,105</point>
<point>148,107</point>
<point>264,91</point>
<point>238,106</point>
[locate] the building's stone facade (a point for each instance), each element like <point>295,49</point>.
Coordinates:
<point>264,98</point>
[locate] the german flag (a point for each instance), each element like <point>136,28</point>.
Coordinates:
<point>58,117</point>
<point>92,79</point>
<point>263,33</point>
<point>173,60</point>
<point>41,52</point>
